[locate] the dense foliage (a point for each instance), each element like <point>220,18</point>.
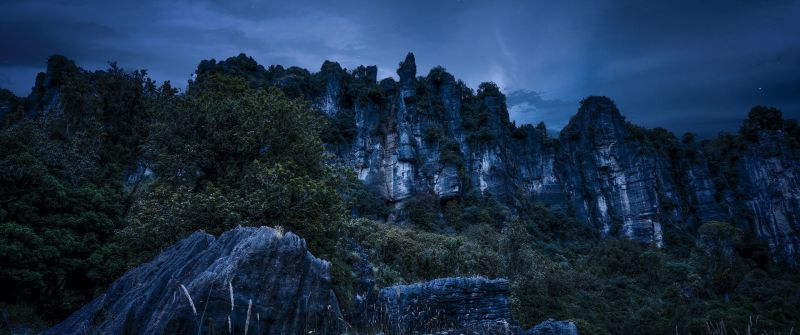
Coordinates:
<point>607,286</point>
<point>229,155</point>
<point>63,192</point>
<point>115,169</point>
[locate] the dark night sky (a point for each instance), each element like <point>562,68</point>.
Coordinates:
<point>684,65</point>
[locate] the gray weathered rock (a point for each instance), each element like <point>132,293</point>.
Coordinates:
<point>769,182</point>
<point>537,171</point>
<point>613,181</point>
<point>330,100</point>
<point>289,289</point>
<point>447,306</point>
<point>553,327</point>
<point>209,284</point>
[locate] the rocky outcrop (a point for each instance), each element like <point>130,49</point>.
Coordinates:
<point>632,181</point>
<point>330,100</point>
<point>613,180</point>
<point>553,327</point>
<point>254,280</point>
<point>537,172</point>
<point>769,184</point>
<point>447,306</point>
<point>262,281</point>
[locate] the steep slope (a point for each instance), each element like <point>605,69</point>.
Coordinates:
<point>432,134</point>
<point>769,187</point>
<point>618,179</point>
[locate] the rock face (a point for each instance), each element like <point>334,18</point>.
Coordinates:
<point>623,184</point>
<point>260,281</point>
<point>769,183</point>
<point>433,135</point>
<point>553,327</point>
<point>249,277</point>
<point>610,181</point>
<point>447,305</point>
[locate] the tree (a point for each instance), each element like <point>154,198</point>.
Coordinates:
<point>761,118</point>
<point>226,155</point>
<point>718,240</point>
<point>53,233</point>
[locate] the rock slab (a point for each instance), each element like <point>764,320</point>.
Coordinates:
<point>254,280</point>
<point>447,306</point>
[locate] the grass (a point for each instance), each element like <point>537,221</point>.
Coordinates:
<point>719,328</point>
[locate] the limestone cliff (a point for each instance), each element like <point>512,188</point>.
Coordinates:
<point>431,134</point>
<point>769,186</point>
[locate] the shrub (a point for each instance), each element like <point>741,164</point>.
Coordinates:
<point>450,153</point>
<point>433,134</point>
<point>228,155</point>
<point>761,118</point>
<point>423,211</point>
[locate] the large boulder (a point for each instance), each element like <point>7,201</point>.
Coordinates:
<point>255,280</point>
<point>447,306</point>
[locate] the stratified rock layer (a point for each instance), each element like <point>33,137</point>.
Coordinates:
<point>769,183</point>
<point>447,305</point>
<point>249,277</point>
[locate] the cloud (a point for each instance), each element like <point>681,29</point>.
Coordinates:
<point>532,107</point>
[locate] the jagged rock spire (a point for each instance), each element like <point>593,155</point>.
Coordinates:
<point>407,71</point>
<point>598,115</point>
<point>330,66</point>
<point>408,67</point>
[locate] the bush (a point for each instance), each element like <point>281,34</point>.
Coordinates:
<point>450,153</point>
<point>340,128</point>
<point>761,118</point>
<point>423,211</point>
<point>403,255</point>
<point>52,232</point>
<point>433,134</point>
<point>229,155</point>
